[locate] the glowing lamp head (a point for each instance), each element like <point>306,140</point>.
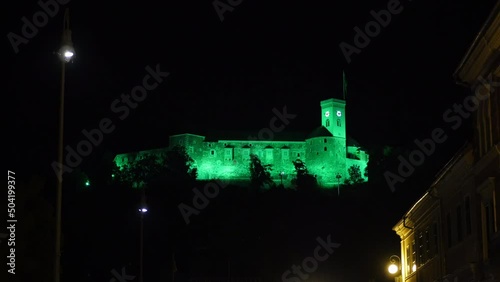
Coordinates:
<point>394,265</point>
<point>143,210</point>
<point>393,268</point>
<point>67,52</point>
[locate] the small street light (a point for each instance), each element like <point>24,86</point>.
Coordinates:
<point>394,267</point>
<point>338,176</point>
<point>142,210</point>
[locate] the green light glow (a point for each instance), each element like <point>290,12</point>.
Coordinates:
<point>325,152</point>
<point>87,183</point>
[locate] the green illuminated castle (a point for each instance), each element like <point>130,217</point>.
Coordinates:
<point>327,151</point>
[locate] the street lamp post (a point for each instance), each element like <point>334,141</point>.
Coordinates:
<point>338,176</point>
<point>66,54</point>
<point>394,267</point>
<point>143,209</point>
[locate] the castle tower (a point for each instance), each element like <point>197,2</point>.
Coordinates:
<point>333,117</point>
<point>327,146</point>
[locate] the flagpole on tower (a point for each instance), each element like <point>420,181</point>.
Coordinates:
<point>344,84</point>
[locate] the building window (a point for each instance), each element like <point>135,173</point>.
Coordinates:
<point>413,256</point>
<point>228,154</point>
<point>435,241</point>
<point>269,155</point>
<point>190,150</point>
<point>427,246</point>
<point>448,228</point>
<point>487,211</point>
<point>421,250</point>
<point>468,220</point>
<point>212,153</point>
<point>245,154</point>
<point>325,149</point>
<point>459,224</point>
<point>339,123</point>
<point>325,140</point>
<point>298,155</point>
<point>408,259</point>
<point>285,154</point>
<point>327,124</point>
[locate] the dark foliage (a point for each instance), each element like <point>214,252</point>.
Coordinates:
<point>260,175</point>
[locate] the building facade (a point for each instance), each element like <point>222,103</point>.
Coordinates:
<point>452,233</point>
<point>327,152</point>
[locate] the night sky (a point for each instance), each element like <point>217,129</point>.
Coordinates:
<point>230,74</point>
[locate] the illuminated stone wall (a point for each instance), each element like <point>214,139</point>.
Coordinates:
<point>325,152</point>
<point>230,159</point>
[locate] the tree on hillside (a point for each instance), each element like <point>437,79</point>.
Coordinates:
<point>260,175</point>
<point>174,163</point>
<point>304,180</point>
<point>141,170</point>
<point>355,177</point>
<point>179,163</point>
<point>300,167</point>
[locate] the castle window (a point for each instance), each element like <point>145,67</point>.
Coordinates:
<point>325,149</point>
<point>245,154</point>
<point>298,155</point>
<point>212,153</point>
<point>228,154</point>
<point>325,141</point>
<point>327,123</point>
<point>339,123</point>
<point>269,155</point>
<point>285,154</point>
<point>190,150</point>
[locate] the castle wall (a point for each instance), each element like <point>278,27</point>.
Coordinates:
<point>227,159</point>
<point>326,158</point>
